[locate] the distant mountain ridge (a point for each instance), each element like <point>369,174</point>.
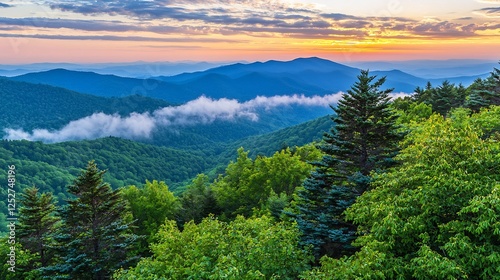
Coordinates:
<point>138,69</point>
<point>308,76</point>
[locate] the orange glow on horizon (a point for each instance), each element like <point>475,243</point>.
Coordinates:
<point>27,50</point>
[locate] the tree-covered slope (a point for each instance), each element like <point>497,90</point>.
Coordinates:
<point>128,162</point>
<point>297,135</point>
<point>51,167</point>
<point>28,106</point>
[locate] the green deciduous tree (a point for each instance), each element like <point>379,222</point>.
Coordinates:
<point>436,215</point>
<point>16,268</point>
<point>238,191</point>
<point>95,239</point>
<point>247,184</point>
<point>364,139</point>
<point>150,206</point>
<point>255,248</point>
<point>414,113</point>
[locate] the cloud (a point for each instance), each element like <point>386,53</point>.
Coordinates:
<point>256,18</point>
<point>87,25</point>
<point>203,110</point>
<point>287,100</point>
<point>115,38</point>
<point>91,127</point>
<point>443,29</point>
<point>3,5</point>
<point>337,16</point>
<point>489,12</point>
<point>396,95</point>
<point>101,25</point>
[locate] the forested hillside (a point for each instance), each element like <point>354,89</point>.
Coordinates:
<point>52,167</point>
<point>394,189</point>
<point>31,106</point>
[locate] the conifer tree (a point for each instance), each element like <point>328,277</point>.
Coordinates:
<point>95,237</point>
<point>447,96</point>
<point>37,224</point>
<point>364,139</point>
<point>484,92</point>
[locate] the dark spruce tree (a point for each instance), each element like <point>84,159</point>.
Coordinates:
<point>364,138</point>
<point>447,96</point>
<point>37,224</point>
<point>95,238</point>
<point>484,92</point>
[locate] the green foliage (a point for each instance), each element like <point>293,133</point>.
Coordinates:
<point>198,201</point>
<point>241,188</point>
<point>37,224</point>
<point>94,239</point>
<point>267,144</point>
<point>247,184</point>
<point>253,248</point>
<point>364,139</point>
<point>413,113</point>
<point>23,259</point>
<point>150,206</point>
<point>436,215</point>
<point>127,162</point>
<point>488,121</point>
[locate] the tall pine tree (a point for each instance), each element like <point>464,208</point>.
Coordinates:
<point>37,224</point>
<point>95,237</point>
<point>364,139</point>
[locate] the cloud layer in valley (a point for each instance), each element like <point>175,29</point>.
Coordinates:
<point>203,110</point>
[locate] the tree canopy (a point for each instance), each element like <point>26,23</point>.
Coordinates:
<point>436,215</point>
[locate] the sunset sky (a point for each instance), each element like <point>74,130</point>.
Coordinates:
<point>228,30</point>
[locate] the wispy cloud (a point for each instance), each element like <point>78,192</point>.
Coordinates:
<point>200,111</point>
<point>116,38</point>
<point>493,12</point>
<point>87,25</point>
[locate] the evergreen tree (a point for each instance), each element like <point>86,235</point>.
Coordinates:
<point>447,96</point>
<point>94,238</point>
<point>198,201</point>
<point>365,138</point>
<point>484,92</point>
<point>423,94</point>
<point>37,224</point>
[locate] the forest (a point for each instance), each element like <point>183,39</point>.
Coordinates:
<point>395,189</point>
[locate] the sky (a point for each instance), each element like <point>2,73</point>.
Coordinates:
<point>90,31</point>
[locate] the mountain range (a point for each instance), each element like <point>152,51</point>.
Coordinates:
<point>308,76</point>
